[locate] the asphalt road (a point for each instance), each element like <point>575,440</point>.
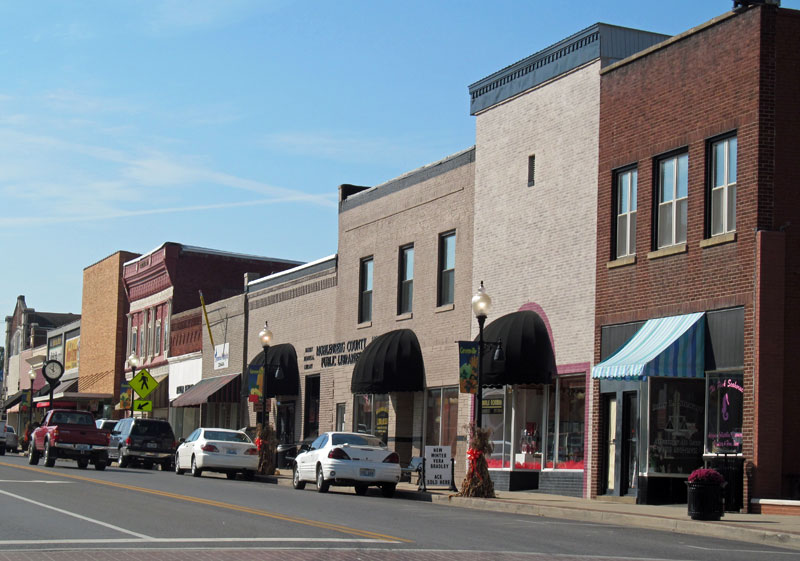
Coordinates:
<point>65,513</point>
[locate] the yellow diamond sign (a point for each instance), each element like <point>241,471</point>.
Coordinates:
<point>143,383</point>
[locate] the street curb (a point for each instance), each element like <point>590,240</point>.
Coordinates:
<point>717,529</point>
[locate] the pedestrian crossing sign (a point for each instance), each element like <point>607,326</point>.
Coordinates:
<point>142,405</point>
<point>143,383</point>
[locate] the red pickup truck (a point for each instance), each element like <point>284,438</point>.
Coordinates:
<point>67,433</point>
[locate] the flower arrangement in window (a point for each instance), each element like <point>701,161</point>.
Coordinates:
<point>706,476</point>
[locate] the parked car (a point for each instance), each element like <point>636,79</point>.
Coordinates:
<point>3,438</point>
<point>145,441</point>
<point>348,459</point>
<point>66,433</point>
<point>107,424</point>
<point>12,440</point>
<point>221,450</point>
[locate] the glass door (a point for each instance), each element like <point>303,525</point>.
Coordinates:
<point>630,453</point>
<point>611,442</point>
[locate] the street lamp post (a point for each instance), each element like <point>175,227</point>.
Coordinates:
<point>133,362</point>
<point>481,304</point>
<point>266,339</point>
<point>32,376</point>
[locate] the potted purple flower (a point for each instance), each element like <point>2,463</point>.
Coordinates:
<point>704,494</point>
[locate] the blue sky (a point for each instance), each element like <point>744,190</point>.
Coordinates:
<point>229,124</point>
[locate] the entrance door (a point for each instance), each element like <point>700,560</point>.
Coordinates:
<point>611,442</point>
<point>629,469</point>
<point>284,424</point>
<point>311,424</point>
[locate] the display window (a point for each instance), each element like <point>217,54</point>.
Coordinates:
<point>724,405</point>
<point>676,421</point>
<point>371,415</point>
<point>537,426</point>
<point>441,423</point>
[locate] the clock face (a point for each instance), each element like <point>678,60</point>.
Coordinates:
<point>53,369</point>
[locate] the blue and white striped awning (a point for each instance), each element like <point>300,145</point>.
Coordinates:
<point>672,346</point>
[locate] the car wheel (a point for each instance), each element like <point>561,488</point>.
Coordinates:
<point>147,465</point>
<point>166,465</point>
<point>178,470</point>
<point>322,485</point>
<point>230,474</point>
<point>387,489</point>
<point>49,455</point>
<point>100,465</point>
<point>122,460</point>
<point>361,490</point>
<point>297,483</point>
<point>2,450</point>
<point>248,475</point>
<point>83,463</point>
<point>33,454</point>
<point>196,471</point>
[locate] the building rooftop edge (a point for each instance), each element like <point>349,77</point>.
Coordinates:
<point>275,277</point>
<point>197,249</point>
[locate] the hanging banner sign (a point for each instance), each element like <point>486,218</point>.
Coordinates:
<point>468,366</point>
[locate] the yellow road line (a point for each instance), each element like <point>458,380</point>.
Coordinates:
<point>218,504</point>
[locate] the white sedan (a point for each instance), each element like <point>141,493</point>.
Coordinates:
<point>223,450</point>
<point>349,459</point>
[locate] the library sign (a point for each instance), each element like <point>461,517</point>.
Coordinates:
<point>341,354</point>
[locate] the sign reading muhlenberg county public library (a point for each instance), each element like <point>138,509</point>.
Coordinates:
<point>438,472</point>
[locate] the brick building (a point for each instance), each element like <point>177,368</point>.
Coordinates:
<point>104,309</point>
<point>536,127</point>
<point>698,255</point>
<point>164,284</point>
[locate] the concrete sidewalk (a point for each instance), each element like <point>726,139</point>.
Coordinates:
<point>774,530</point>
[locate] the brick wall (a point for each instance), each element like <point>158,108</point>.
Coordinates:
<point>103,326</point>
<point>718,78</point>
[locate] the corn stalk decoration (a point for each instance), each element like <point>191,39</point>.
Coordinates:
<point>477,482</point>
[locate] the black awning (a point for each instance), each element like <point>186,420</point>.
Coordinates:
<point>529,357</point>
<point>13,400</point>
<point>392,362</point>
<point>284,356</point>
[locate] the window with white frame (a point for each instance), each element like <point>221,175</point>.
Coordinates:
<point>157,339</point>
<point>626,183</point>
<point>447,268</point>
<point>134,340</point>
<point>723,186</point>
<point>365,290</point>
<point>673,192</point>
<point>405,284</point>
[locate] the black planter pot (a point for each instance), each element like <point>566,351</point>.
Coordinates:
<point>705,500</point>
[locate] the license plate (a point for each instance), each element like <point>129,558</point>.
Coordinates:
<point>367,472</point>
<point>152,445</point>
<point>82,446</point>
<point>230,451</point>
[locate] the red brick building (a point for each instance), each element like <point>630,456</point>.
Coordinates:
<point>166,282</point>
<point>698,263</point>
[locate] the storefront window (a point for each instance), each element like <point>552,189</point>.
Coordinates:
<point>527,437</point>
<point>441,426</point>
<point>371,415</point>
<point>571,410</point>
<point>495,419</point>
<point>677,411</point>
<point>725,400</point>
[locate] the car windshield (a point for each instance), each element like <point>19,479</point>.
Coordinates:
<point>357,440</point>
<point>226,436</point>
<point>151,429</point>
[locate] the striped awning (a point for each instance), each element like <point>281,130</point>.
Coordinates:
<point>672,346</point>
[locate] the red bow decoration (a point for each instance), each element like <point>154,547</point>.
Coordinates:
<point>258,444</point>
<point>473,454</point>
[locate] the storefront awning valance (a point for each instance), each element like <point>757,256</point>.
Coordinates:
<point>529,357</point>
<point>671,346</point>
<point>203,390</point>
<point>392,362</point>
<point>285,357</point>
<point>14,399</point>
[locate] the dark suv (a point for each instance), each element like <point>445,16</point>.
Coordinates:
<point>149,441</point>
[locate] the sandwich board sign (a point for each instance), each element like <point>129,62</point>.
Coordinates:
<point>438,470</point>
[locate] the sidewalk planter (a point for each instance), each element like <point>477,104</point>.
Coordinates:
<point>704,494</point>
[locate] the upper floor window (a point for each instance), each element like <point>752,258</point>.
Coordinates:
<point>405,285</point>
<point>723,186</point>
<point>134,334</point>
<point>673,191</point>
<point>157,339</point>
<point>626,182</point>
<point>531,170</point>
<point>447,268</point>
<point>365,290</point>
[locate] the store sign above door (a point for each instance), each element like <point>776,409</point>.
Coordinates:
<point>341,354</point>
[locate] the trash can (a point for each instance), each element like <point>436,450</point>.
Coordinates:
<point>732,469</point>
<point>284,455</point>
